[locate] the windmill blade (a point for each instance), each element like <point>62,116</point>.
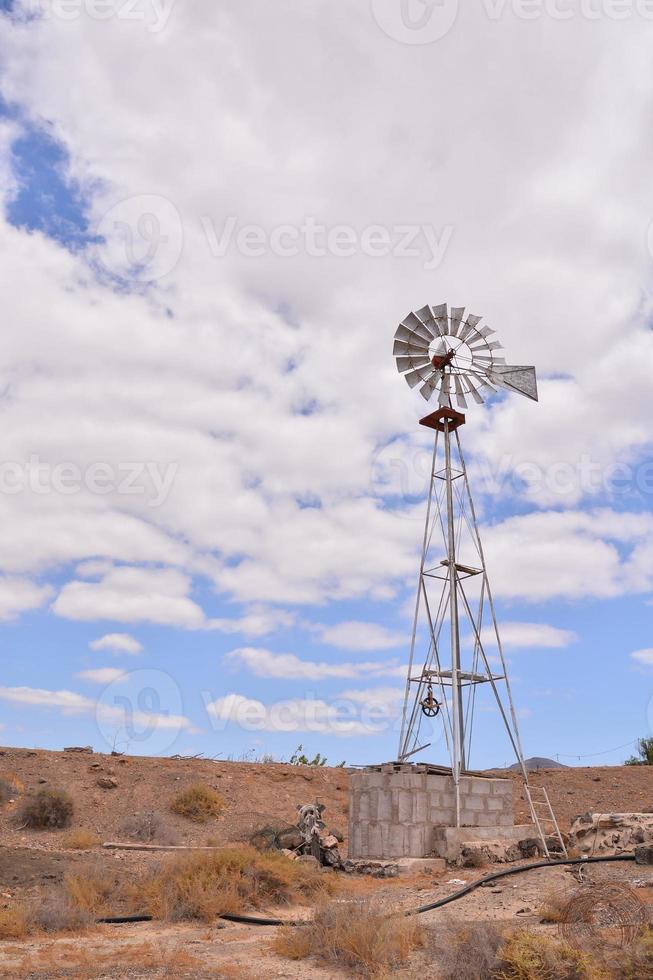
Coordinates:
<point>457,314</point>
<point>413,322</point>
<point>408,350</point>
<point>460,393</point>
<point>468,327</point>
<point>410,363</point>
<point>428,319</point>
<point>475,394</point>
<point>516,377</point>
<point>495,345</point>
<point>431,386</point>
<point>407,336</point>
<point>486,331</point>
<point>441,318</point>
<point>421,374</point>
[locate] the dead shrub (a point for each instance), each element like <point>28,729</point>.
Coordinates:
<point>353,936</point>
<point>14,922</point>
<point>58,913</point>
<point>207,885</point>
<point>199,803</point>
<point>90,892</point>
<point>8,791</point>
<point>636,962</point>
<point>553,907</point>
<point>149,826</point>
<point>46,810</point>
<point>470,952</point>
<point>528,956</point>
<point>80,840</point>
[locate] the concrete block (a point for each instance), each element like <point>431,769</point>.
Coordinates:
<point>473,802</point>
<point>405,813</point>
<point>417,841</point>
<point>420,807</point>
<point>375,841</point>
<point>482,787</point>
<point>496,803</point>
<point>502,787</point>
<point>441,817</point>
<point>504,819</point>
<point>384,805</point>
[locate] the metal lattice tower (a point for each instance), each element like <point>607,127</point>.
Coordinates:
<point>456,644</point>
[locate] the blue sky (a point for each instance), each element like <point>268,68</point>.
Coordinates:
<point>212,485</point>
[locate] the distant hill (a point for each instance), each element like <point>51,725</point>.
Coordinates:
<point>537,762</point>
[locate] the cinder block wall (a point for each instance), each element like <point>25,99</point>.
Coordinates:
<point>393,812</point>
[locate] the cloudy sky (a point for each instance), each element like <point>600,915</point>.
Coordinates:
<point>211,478</point>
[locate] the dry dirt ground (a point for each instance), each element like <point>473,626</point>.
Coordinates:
<point>33,862</point>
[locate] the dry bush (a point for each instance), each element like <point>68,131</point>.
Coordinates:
<point>58,913</point>
<point>91,892</point>
<point>149,826</point>
<point>636,962</point>
<point>353,936</point>
<point>553,906</point>
<point>530,956</point>
<point>8,790</point>
<point>47,809</point>
<point>199,803</point>
<point>471,951</point>
<point>14,922</point>
<point>207,885</point>
<point>80,840</point>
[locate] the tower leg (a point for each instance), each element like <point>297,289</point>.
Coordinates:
<point>456,689</point>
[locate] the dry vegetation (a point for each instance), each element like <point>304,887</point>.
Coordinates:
<point>47,809</point>
<point>355,936</point>
<point>80,840</point>
<point>205,886</point>
<point>198,803</point>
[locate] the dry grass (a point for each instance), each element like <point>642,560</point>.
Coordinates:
<point>207,885</point>
<point>530,956</point>
<point>55,960</point>
<point>14,922</point>
<point>636,962</point>
<point>8,790</point>
<point>48,809</point>
<point>148,826</point>
<point>470,951</point>
<point>554,904</point>
<point>91,893</point>
<point>353,936</point>
<point>198,803</point>
<point>80,840</point>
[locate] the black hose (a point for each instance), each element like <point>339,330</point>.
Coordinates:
<point>117,920</point>
<point>252,920</point>
<point>513,871</point>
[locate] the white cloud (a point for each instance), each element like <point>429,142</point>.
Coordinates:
<point>294,715</point>
<point>18,595</point>
<point>265,663</point>
<point>354,635</point>
<point>257,621</point>
<point>273,418</point>
<point>102,675</point>
<point>71,703</point>
<point>117,643</point>
<point>530,635</point>
<point>643,657</point>
<point>132,595</point>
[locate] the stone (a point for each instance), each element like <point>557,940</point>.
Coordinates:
<point>107,782</point>
<point>644,854</point>
<point>606,834</point>
<point>79,748</point>
<point>289,854</point>
<point>329,841</point>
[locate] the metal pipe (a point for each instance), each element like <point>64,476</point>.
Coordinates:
<point>456,691</point>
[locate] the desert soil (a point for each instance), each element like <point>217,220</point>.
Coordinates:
<point>33,862</point>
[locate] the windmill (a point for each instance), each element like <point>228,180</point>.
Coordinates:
<point>452,356</point>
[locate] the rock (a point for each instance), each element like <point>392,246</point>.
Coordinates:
<point>289,839</point>
<point>308,859</point>
<point>107,782</point>
<point>42,780</point>
<point>289,854</point>
<point>529,847</point>
<point>79,748</point>
<point>328,842</point>
<point>644,854</point>
<point>606,834</point>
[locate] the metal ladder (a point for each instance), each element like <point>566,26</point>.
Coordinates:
<point>544,817</point>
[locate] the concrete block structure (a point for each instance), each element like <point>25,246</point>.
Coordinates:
<point>400,810</point>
